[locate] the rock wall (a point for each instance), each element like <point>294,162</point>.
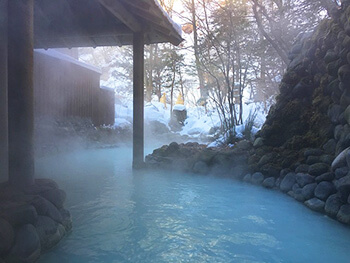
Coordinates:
<point>303,149</point>
<point>31,221</point>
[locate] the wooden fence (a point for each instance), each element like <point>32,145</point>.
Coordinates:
<point>65,87</point>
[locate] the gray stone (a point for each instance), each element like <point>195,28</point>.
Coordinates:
<point>341,172</point>
<point>46,182</point>
<point>345,99</point>
<point>53,212</point>
<point>303,168</point>
<point>269,182</point>
<point>304,179</point>
<point>298,195</point>
<point>333,205</point>
<point>324,190</point>
<point>259,142</point>
<point>343,187</point>
<point>344,74</point>
<point>334,112</point>
<point>329,146</point>
<point>338,131</point>
<point>7,236</point>
<point>247,178</point>
<point>284,172</point>
<point>257,178</point>
<point>344,214</point>
<point>27,245</point>
<point>19,214</point>
<point>288,182</point>
<point>313,152</point>
<point>266,159</point>
<point>315,204</point>
<point>347,114</point>
<point>55,196</point>
<point>312,159</point>
<point>340,160</point>
<point>325,177</point>
<point>308,191</point>
<point>67,219</point>
<point>49,232</point>
<point>327,159</point>
<point>318,169</point>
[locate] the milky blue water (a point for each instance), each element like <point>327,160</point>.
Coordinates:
<point>125,216</point>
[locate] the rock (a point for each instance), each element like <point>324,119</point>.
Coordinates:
<point>7,236</point>
<point>347,114</point>
<point>40,204</point>
<point>345,99</point>
<point>259,142</point>
<point>344,74</point>
<point>312,160</point>
<point>304,179</point>
<point>284,172</point>
<point>55,196</point>
<point>269,182</point>
<point>325,177</point>
<point>333,205</point>
<point>266,159</point>
<point>257,178</point>
<point>318,169</point>
<point>329,147</point>
<point>313,152</point>
<point>327,159</point>
<point>270,171</point>
<point>247,178</point>
<point>49,231</point>
<point>288,182</point>
<point>344,214</point>
<point>315,204</point>
<point>27,245</point>
<point>308,191</point>
<point>46,182</point>
<point>298,195</point>
<point>340,160</point>
<point>19,214</point>
<point>343,187</point>
<point>324,190</point>
<point>334,112</point>
<point>303,168</point>
<point>243,145</point>
<point>53,212</point>
<point>67,219</point>
<point>341,172</point>
<point>338,131</point>
<point>330,56</point>
<point>201,167</point>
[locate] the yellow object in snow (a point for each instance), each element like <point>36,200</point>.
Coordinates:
<point>163,99</point>
<point>180,99</point>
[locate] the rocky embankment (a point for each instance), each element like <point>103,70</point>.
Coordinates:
<point>31,221</point>
<point>303,149</point>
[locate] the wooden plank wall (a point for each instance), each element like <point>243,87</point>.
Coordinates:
<point>65,89</point>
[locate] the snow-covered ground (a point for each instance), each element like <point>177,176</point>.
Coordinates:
<point>199,123</point>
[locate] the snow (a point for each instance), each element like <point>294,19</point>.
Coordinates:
<point>179,107</point>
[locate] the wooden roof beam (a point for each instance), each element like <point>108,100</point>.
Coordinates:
<point>120,12</point>
<point>139,4</point>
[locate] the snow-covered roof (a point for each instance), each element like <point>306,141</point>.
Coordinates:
<point>55,54</point>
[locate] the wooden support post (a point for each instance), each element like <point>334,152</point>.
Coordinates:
<point>20,92</point>
<point>3,93</point>
<point>138,122</point>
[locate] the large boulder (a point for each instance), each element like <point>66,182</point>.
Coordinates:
<point>343,187</point>
<point>18,214</point>
<point>55,196</point>
<point>333,205</point>
<point>308,191</point>
<point>344,214</point>
<point>7,236</point>
<point>324,190</point>
<point>49,231</point>
<point>201,167</point>
<point>340,160</point>
<point>288,182</point>
<point>304,179</point>
<point>315,204</point>
<point>257,178</point>
<point>269,182</point>
<point>318,169</point>
<point>27,245</point>
<point>325,177</point>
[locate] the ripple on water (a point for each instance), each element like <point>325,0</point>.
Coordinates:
<point>125,216</point>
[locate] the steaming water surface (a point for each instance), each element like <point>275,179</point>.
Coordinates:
<point>125,216</point>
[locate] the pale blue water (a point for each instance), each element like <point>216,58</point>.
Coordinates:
<point>125,216</point>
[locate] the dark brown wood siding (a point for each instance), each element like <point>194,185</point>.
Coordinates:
<point>65,89</point>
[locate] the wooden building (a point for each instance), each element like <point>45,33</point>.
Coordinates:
<point>66,87</point>
<point>29,24</point>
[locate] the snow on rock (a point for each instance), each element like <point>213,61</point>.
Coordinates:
<point>179,107</point>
